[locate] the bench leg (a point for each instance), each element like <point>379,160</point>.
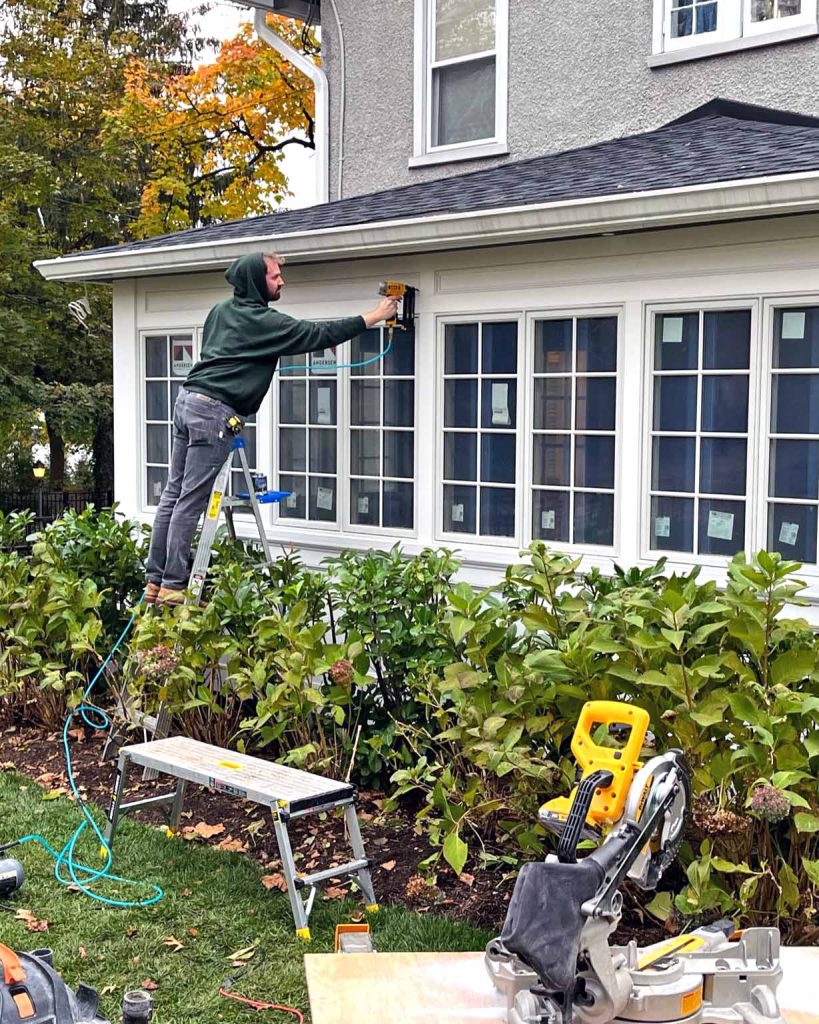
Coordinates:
<point>289,872</point>
<point>363,874</point>
<point>120,779</point>
<point>176,807</point>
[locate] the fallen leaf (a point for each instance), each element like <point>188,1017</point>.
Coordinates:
<point>135,959</point>
<point>32,922</point>
<point>274,881</point>
<point>193,932</point>
<point>202,830</point>
<point>109,988</point>
<point>335,892</point>
<point>231,845</point>
<point>466,878</point>
<point>185,892</point>
<point>148,984</point>
<point>174,943</point>
<point>52,794</point>
<point>132,932</point>
<point>243,955</point>
<point>388,865</point>
<point>82,951</point>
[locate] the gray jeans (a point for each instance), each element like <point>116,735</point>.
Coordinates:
<point>201,442</point>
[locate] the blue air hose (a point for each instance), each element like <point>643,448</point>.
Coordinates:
<point>340,366</point>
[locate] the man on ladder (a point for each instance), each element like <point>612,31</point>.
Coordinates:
<point>242,341</point>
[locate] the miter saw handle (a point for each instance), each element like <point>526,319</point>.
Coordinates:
<point>578,812</point>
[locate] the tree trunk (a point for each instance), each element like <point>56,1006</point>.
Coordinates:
<point>56,446</point>
<point>103,455</point>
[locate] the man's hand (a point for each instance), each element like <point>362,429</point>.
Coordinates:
<point>385,310</point>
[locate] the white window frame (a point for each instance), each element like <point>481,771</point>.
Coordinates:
<point>752,497</point>
<point>575,313</point>
<point>424,151</point>
<point>735,31</point>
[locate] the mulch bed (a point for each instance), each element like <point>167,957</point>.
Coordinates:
<point>391,840</point>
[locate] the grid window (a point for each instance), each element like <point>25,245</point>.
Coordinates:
<point>168,358</point>
<point>688,23</point>
<point>793,468</point>
<point>574,419</point>
<point>699,431</point>
<point>480,424</point>
<point>382,432</point>
<point>693,17</point>
<point>308,437</point>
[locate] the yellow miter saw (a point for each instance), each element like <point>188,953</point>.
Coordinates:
<point>553,961</point>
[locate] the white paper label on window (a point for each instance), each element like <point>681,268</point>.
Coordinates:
<point>721,525</point>
<point>292,499</point>
<point>323,406</point>
<point>662,526</point>
<point>324,498</point>
<point>672,330</point>
<point>500,405</point>
<point>793,326</point>
<point>457,513</point>
<point>788,533</point>
<point>363,505</point>
<point>181,359</point>
<point>547,519</point>
<point>326,359</point>
<point>157,489</point>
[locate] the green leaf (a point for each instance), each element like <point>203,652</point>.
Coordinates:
<point>459,627</point>
<point>811,742</point>
<point>811,869</point>
<point>789,885</point>
<point>455,852</point>
<point>792,666</point>
<point>661,906</point>
<point>806,822</point>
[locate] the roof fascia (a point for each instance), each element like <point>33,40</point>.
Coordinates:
<point>716,201</point>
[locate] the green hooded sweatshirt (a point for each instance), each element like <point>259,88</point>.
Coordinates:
<point>243,340</point>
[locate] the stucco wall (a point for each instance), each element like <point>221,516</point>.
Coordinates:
<point>578,74</point>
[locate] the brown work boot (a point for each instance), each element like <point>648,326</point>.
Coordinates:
<point>167,596</point>
<point>151,593</point>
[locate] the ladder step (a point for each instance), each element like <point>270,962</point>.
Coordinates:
<point>349,868</point>
<point>265,498</point>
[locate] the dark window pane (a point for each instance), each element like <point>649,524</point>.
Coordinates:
<point>593,518</point>
<point>594,461</point>
<point>365,402</point>
<point>498,458</point>
<point>365,453</point>
<point>497,512</point>
<point>673,464</point>
<point>550,515</point>
<point>461,403</point>
<point>293,450</point>
<point>292,401</point>
<point>792,531</point>
<point>461,348</point>
<point>725,404</point>
<point>672,524</point>
<point>298,362</point>
<point>795,404</point>
<point>157,437</point>
<point>463,102</point>
<point>400,360</point>
<point>675,403</point>
<point>553,403</point>
<point>365,502</point>
<point>156,478</point>
<point>398,505</point>
<point>460,511</point>
<point>498,403</point>
<point>323,402</point>
<point>727,340</point>
<point>597,344</point>
<point>249,438</point>
<point>323,498</point>
<point>156,356</point>
<point>796,338</point>
<point>553,346</point>
<point>722,527</point>
<point>294,506</point>
<point>362,348</point>
<point>460,456</point>
<point>176,387</point>
<point>399,403</point>
<point>676,341</point>
<point>156,400</point>
<point>722,465</point>
<point>794,469</point>
<point>499,348</point>
<point>399,453</point>
<point>550,459</point>
<point>322,451</point>
<point>595,403</point>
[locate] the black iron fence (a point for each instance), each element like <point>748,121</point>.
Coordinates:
<point>49,505</point>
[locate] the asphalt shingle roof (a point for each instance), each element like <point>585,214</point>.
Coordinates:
<point>720,141</point>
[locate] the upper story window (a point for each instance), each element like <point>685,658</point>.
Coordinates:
<point>460,79</point>
<point>681,25</point>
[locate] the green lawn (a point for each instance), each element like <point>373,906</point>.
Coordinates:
<point>214,905</point>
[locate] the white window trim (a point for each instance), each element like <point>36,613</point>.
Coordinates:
<point>424,153</point>
<point>754,496</point>
<point>739,34</point>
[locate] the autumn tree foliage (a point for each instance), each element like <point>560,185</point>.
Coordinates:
<point>213,137</point>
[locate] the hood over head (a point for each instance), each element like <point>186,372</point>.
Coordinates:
<point>247,275</point>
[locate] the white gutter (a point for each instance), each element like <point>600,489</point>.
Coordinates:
<point>321,124</point>
<point>698,204</point>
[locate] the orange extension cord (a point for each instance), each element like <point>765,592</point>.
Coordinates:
<point>257,1005</point>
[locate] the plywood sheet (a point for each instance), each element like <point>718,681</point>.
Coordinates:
<point>454,988</point>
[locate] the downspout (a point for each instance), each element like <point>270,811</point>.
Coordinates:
<point>319,80</point>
